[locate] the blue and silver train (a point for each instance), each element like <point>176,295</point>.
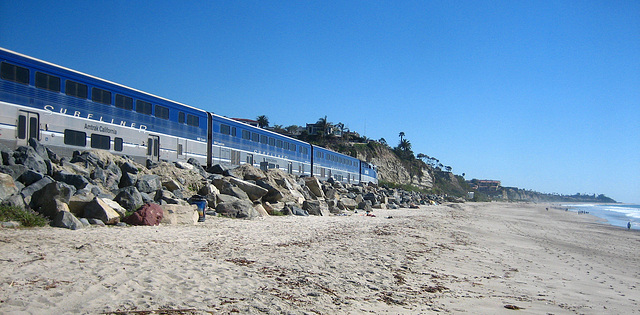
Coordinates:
<point>68,110</point>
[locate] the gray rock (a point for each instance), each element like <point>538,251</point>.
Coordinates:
<point>40,149</point>
<point>74,180</point>
<point>15,170</point>
<point>7,187</point>
<point>253,191</point>
<point>242,209</point>
<point>171,184</point>
<point>348,203</point>
<point>273,194</point>
<point>314,186</point>
<point>48,200</point>
<point>29,177</point>
<point>128,179</point>
<point>129,198</point>
<point>96,222</point>
<point>28,157</point>
<point>79,200</point>
<point>85,222</point>
<point>66,219</point>
<point>14,201</point>
<point>129,167</point>
<point>28,191</point>
<point>10,224</point>
<point>148,183</point>
<point>316,207</point>
<point>98,209</point>
<point>87,158</point>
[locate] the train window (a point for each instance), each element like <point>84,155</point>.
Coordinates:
<point>76,89</point>
<point>272,141</point>
<point>14,73</point>
<point>143,107</point>
<point>279,143</point>
<point>181,117</point>
<point>47,82</point>
<point>292,147</point>
<point>225,129</point>
<point>255,137</point>
<point>124,102</point>
<point>100,141</point>
<point>286,145</point>
<point>117,144</point>
<point>77,138</point>
<point>162,112</point>
<point>234,131</point>
<point>264,139</point>
<point>100,96</point>
<point>246,135</point>
<point>193,120</point>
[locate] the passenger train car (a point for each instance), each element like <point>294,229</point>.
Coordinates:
<point>68,111</point>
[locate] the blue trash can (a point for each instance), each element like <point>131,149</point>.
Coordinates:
<point>201,203</point>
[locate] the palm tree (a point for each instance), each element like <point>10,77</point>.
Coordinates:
<point>401,135</point>
<point>263,121</point>
<point>324,126</point>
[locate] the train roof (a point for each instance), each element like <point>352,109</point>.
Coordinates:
<point>97,78</point>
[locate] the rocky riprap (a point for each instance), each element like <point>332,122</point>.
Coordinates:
<point>98,188</point>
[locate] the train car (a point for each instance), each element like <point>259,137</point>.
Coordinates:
<point>368,173</point>
<point>236,143</point>
<point>329,164</point>
<point>69,110</point>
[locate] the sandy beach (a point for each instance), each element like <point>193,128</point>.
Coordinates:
<point>475,258</point>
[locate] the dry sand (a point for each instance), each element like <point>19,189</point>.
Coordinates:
<point>470,258</point>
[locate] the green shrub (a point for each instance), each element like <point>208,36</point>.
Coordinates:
<point>24,216</point>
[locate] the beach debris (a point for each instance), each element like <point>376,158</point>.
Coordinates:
<point>513,307</point>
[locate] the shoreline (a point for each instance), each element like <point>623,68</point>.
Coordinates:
<point>453,258</point>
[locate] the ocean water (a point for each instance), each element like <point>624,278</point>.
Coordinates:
<point>615,214</point>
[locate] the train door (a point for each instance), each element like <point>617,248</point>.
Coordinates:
<point>250,159</point>
<point>28,127</point>
<point>182,149</point>
<point>290,168</point>
<point>235,157</point>
<point>153,148</point>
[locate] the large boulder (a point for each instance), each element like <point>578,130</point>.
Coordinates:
<point>67,220</point>
<point>314,186</point>
<point>242,209</point>
<point>232,190</point>
<point>7,186</point>
<point>316,207</point>
<point>148,183</point>
<point>129,198</point>
<point>77,181</point>
<point>148,214</point>
<point>28,157</point>
<point>273,194</point>
<point>27,192</point>
<point>254,192</point>
<point>248,172</point>
<point>47,200</point>
<point>348,203</point>
<point>98,209</point>
<point>79,200</point>
<point>179,214</point>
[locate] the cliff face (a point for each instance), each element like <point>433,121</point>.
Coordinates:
<point>392,169</point>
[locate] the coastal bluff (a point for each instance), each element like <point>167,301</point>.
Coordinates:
<point>98,188</point>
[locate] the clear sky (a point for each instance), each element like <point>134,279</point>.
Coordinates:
<point>542,95</point>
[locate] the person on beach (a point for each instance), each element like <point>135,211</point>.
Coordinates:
<point>629,225</point>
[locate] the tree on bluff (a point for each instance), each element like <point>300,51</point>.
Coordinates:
<point>263,121</point>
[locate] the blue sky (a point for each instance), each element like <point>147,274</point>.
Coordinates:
<point>542,95</point>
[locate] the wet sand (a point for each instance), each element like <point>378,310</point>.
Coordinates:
<point>473,258</point>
